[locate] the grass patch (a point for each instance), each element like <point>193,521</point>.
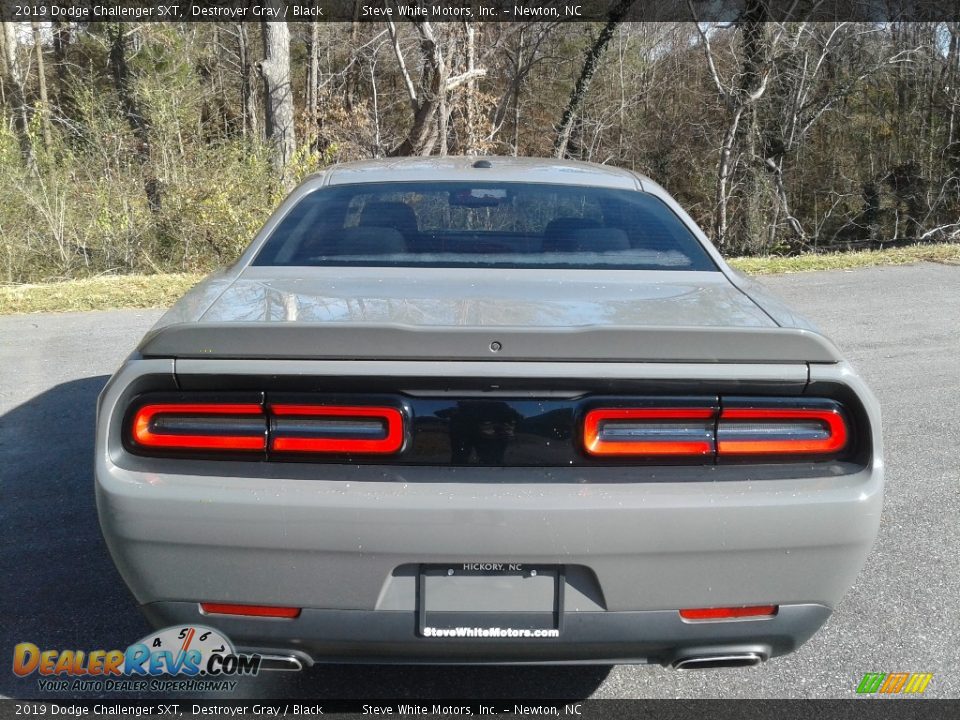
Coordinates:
<point>109,292</point>
<point>947,253</point>
<point>106,292</point>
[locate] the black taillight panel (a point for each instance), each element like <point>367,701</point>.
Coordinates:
<point>460,430</point>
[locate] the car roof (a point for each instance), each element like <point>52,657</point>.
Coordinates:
<point>480,168</point>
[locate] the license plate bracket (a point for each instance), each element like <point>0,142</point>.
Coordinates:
<point>490,600</point>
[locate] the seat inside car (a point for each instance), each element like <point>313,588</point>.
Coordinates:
<point>350,241</point>
<point>601,239</point>
<point>557,234</point>
<point>574,234</point>
<point>396,215</point>
<point>369,240</point>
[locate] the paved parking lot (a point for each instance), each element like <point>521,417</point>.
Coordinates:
<point>899,325</point>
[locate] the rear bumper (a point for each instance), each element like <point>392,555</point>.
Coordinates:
<point>343,542</point>
<point>356,636</point>
<point>343,551</point>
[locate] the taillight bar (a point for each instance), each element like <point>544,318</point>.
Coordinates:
<point>336,429</point>
<point>781,431</point>
<point>743,428</point>
<point>201,426</point>
<point>649,431</point>
<point>277,427</point>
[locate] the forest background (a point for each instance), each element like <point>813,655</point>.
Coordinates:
<point>162,147</point>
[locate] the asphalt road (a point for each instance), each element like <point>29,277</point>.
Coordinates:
<point>899,325</point>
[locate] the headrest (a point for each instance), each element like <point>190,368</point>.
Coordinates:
<point>556,235</point>
<point>396,215</point>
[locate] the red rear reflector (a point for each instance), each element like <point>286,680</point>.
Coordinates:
<point>728,613</point>
<point>250,610</point>
<point>649,431</point>
<point>780,431</point>
<point>200,426</point>
<point>336,429</point>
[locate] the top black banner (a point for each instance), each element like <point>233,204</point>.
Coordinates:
<point>478,10</point>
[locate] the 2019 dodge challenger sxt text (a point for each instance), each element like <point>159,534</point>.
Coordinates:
<point>494,410</point>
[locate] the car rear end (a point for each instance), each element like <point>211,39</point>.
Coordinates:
<point>692,489</point>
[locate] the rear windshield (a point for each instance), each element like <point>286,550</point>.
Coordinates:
<point>508,225</point>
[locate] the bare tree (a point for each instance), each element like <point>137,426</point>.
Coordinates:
<point>517,50</point>
<point>805,93</point>
<point>4,71</point>
<point>15,89</point>
<point>41,84</point>
<point>61,40</point>
<point>740,95</point>
<point>313,71</point>
<point>579,92</point>
<point>355,70</point>
<point>123,83</point>
<point>245,70</point>
<point>278,92</point>
<point>428,97</point>
<point>471,139</point>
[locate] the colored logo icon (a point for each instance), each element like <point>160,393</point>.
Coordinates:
<point>894,683</point>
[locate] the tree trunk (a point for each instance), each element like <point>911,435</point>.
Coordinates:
<point>251,126</point>
<point>471,142</point>
<point>750,221</point>
<point>4,72</point>
<point>951,153</point>
<point>223,100</point>
<point>353,74</point>
<point>443,115</point>
<point>425,100</point>
<point>723,179</point>
<point>64,99</point>
<point>590,63</point>
<point>313,71</point>
<point>740,99</point>
<point>135,119</point>
<point>15,93</point>
<point>776,169</point>
<point>517,80</point>
<point>278,93</point>
<point>41,85</point>
<point>424,133</point>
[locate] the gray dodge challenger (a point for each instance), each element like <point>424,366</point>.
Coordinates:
<point>488,410</point>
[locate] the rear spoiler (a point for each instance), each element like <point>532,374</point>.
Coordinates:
<point>343,341</point>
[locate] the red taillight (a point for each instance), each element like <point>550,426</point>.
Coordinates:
<point>728,613</point>
<point>201,426</point>
<point>302,428</point>
<point>250,610</point>
<point>336,429</point>
<point>781,431</point>
<point>649,431</point>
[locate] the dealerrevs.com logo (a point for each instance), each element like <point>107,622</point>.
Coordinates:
<point>185,658</point>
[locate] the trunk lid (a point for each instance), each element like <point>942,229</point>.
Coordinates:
<point>466,314</point>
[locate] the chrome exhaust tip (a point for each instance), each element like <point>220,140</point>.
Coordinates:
<point>288,663</point>
<point>707,662</point>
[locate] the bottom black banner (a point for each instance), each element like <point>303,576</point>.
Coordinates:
<point>902,709</point>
